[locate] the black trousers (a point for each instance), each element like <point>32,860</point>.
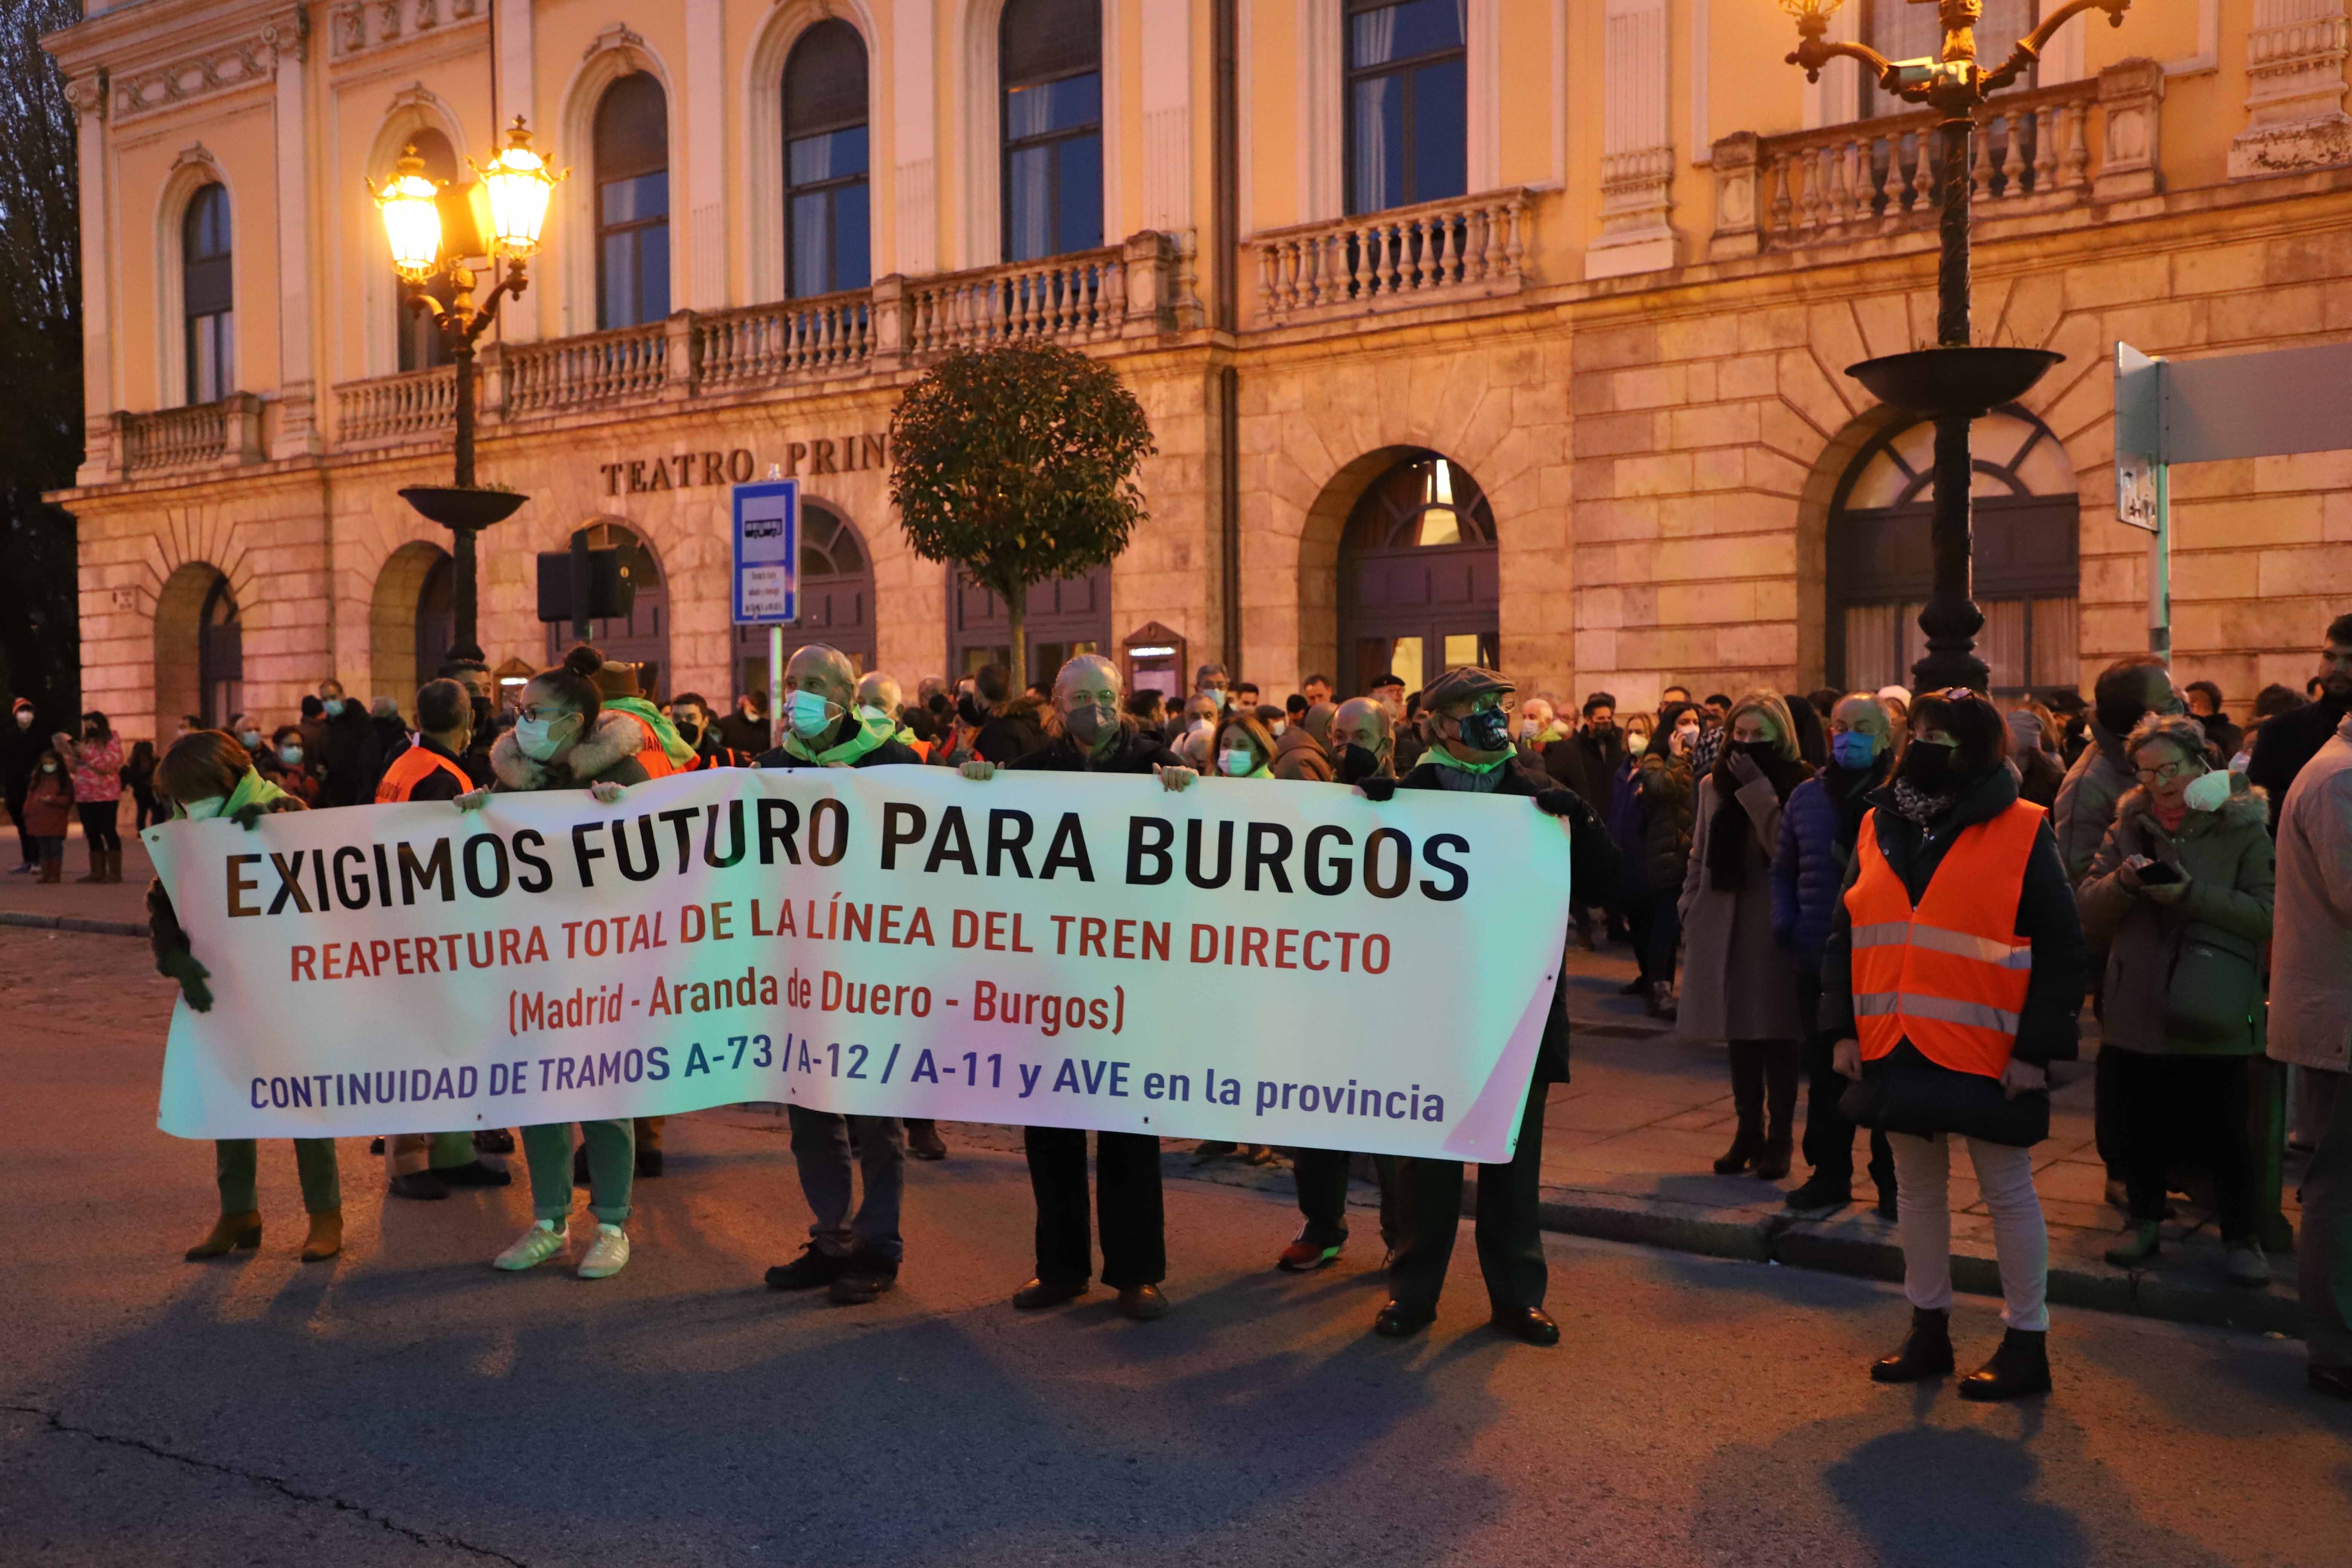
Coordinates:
<point>98,824</point>
<point>29,851</point>
<point>1322,1175</point>
<point>1127,1196</point>
<point>1508,1229</point>
<point>1829,1135</point>
<point>2186,1111</point>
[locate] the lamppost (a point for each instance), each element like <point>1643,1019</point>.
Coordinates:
<point>517,185</point>
<point>1955,382</point>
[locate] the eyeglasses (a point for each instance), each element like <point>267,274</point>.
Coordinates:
<point>2169,770</point>
<point>538,713</point>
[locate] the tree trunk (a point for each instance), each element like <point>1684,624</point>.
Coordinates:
<point>1016,623</point>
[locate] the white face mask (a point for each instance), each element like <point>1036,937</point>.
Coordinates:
<point>249,738</point>
<point>204,810</point>
<point>806,712</point>
<point>2206,792</point>
<point>48,767</point>
<point>1637,742</point>
<point>335,706</point>
<point>1277,727</point>
<point>1238,762</point>
<point>535,737</point>
<point>24,720</point>
<point>870,711</point>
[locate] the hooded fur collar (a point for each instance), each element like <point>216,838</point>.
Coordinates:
<point>616,737</point>
<point>2247,806</point>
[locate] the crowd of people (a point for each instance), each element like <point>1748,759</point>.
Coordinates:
<point>1896,903</point>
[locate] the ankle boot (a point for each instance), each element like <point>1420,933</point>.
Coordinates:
<point>1748,1098</point>
<point>114,865</point>
<point>1925,1353</point>
<point>1780,1069</point>
<point>326,1237</point>
<point>240,1231</point>
<point>97,868</point>
<point>2020,1366</point>
<point>53,870</point>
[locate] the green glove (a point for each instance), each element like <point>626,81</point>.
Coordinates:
<point>245,816</point>
<point>182,966</point>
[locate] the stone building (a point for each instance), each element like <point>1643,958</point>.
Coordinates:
<point>1505,329</point>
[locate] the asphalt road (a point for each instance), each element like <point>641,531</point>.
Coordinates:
<point>405,1404</point>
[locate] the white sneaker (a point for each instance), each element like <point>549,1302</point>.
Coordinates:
<point>535,1246</point>
<point>607,1254</point>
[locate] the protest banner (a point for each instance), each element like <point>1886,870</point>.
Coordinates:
<point>1287,964</point>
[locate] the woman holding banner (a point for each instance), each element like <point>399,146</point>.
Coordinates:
<point>1088,732</point>
<point>208,774</point>
<point>565,739</point>
<point>1244,749</point>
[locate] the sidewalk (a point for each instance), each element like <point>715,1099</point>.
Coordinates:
<point>106,907</point>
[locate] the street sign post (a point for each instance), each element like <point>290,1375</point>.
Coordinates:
<point>767,578</point>
<point>2143,498</point>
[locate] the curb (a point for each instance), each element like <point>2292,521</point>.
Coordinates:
<point>71,922</point>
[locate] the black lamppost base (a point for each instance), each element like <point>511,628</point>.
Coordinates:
<point>465,510</point>
<point>1955,380</point>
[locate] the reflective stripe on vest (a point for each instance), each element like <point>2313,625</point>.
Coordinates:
<point>411,768</point>
<point>1949,975</point>
<point>651,756</point>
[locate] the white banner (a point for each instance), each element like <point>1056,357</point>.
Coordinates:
<point>1281,963</point>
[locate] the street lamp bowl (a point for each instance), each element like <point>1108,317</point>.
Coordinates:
<point>1954,379</point>
<point>519,183</point>
<point>462,506</point>
<point>410,204</point>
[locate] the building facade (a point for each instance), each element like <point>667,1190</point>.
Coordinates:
<point>1511,329</point>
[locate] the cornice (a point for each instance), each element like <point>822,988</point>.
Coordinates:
<point>154,55</point>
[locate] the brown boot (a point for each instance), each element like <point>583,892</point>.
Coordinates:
<point>53,869</point>
<point>240,1231</point>
<point>326,1237</point>
<point>114,865</point>
<point>97,868</point>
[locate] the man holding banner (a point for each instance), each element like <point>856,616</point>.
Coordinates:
<point>856,1258</point>
<point>1091,733</point>
<point>1470,752</point>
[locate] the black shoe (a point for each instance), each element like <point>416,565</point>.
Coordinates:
<point>494,1141</point>
<point>1040,1294</point>
<point>1213,1150</point>
<point>2020,1366</point>
<point>473,1173</point>
<point>1398,1321</point>
<point>923,1141</point>
<point>1927,1353</point>
<point>1532,1324</point>
<point>1772,1159</point>
<point>375,1145</point>
<point>1637,987</point>
<point>1744,1147</point>
<point>421,1185</point>
<point>1886,1209</point>
<point>1144,1303</point>
<point>649,1162</point>
<point>580,1166</point>
<point>811,1268</point>
<point>1820,1192</point>
<point>2335,1380</point>
<point>863,1277</point>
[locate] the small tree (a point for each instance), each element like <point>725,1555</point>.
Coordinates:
<point>1018,465</point>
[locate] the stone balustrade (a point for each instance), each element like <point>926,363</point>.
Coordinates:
<point>590,368</point>
<point>395,407</point>
<point>1436,252</point>
<point>1077,298</point>
<point>2031,153</point>
<point>223,434</point>
<point>831,334</point>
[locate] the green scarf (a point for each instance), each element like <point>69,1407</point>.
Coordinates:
<point>253,793</point>
<point>872,731</point>
<point>673,744</point>
<point>1445,759</point>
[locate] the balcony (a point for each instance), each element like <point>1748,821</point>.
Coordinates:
<point>1138,290</point>
<point>1468,247</point>
<point>2033,152</point>
<point>226,434</point>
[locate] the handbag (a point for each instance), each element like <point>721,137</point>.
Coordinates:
<point>2214,988</point>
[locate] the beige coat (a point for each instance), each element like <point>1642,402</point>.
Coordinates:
<point>1737,983</point>
<point>2311,952</point>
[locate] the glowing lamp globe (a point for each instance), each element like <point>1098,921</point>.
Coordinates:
<point>412,218</point>
<point>520,182</point>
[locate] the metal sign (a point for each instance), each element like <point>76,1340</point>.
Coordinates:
<point>767,534</point>
<point>2139,436</point>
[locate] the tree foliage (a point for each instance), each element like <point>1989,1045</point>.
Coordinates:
<point>40,361</point>
<point>1019,465</point>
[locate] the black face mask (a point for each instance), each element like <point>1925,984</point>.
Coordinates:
<point>1927,766</point>
<point>1762,751</point>
<point>483,715</point>
<point>1488,730</point>
<point>688,730</point>
<point>1354,764</point>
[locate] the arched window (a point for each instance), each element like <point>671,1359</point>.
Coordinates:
<point>836,598</point>
<point>206,294</point>
<point>1882,562</point>
<point>1408,117</point>
<point>1902,30</point>
<point>640,637</point>
<point>632,203</point>
<point>421,347</point>
<point>826,220</point>
<point>1049,57</point>
<point>1419,589</point>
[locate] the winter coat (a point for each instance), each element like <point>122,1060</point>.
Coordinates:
<point>1135,752</point>
<point>1592,874</point>
<point>607,754</point>
<point>300,779</point>
<point>2087,800</point>
<point>165,936</point>
<point>1808,870</point>
<point>1300,756</point>
<point>2047,1030</point>
<point>2184,978</point>
<point>2223,735</point>
<point>2285,744</point>
<point>2311,959</point>
<point>386,738</point>
<point>1739,982</point>
<point>97,771</point>
<point>337,749</point>
<point>1650,818</point>
<point>1012,733</point>
<point>2040,776</point>
<point>48,805</point>
<point>20,758</point>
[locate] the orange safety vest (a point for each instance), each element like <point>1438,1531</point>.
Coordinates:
<point>1949,975</point>
<point>411,768</point>
<point>650,756</point>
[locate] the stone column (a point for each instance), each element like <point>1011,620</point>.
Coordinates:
<point>914,101</point>
<point>287,37</point>
<point>2295,103</point>
<point>522,320</point>
<point>1637,158</point>
<point>706,154</point>
<point>98,464</point>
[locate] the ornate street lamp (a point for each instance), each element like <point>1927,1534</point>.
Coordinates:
<point>1955,382</point>
<point>515,188</point>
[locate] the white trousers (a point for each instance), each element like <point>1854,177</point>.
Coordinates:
<point>2021,1242</point>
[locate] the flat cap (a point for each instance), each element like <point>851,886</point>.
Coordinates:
<point>1465,683</point>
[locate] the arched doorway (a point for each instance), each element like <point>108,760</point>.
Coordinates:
<point>412,620</point>
<point>199,649</point>
<point>640,637</point>
<point>1066,617</point>
<point>220,655</point>
<point>1419,587</point>
<point>836,588</point>
<point>1882,563</point>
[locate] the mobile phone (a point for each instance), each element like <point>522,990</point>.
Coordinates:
<point>2155,872</point>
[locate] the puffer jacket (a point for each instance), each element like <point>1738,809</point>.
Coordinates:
<point>2087,800</point>
<point>1808,872</point>
<point>1662,787</point>
<point>608,754</point>
<point>2184,978</point>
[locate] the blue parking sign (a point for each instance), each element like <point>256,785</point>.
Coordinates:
<point>767,553</point>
